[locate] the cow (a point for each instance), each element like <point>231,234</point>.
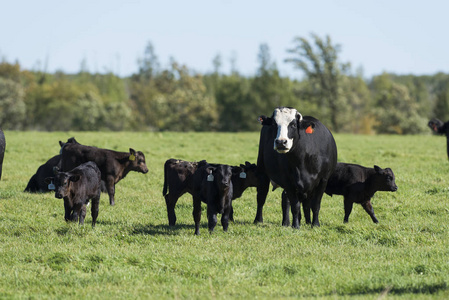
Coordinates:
<point>299,154</point>
<point>178,180</point>
<point>439,127</point>
<point>358,184</point>
<point>77,187</point>
<point>113,165</point>
<point>37,181</point>
<point>2,150</point>
<point>213,187</point>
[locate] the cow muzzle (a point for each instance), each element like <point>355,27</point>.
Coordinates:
<point>58,195</point>
<point>281,145</point>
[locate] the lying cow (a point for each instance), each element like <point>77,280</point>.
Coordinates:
<point>358,184</point>
<point>77,187</point>
<point>178,180</point>
<point>113,165</point>
<point>299,154</point>
<point>37,181</point>
<point>2,150</point>
<point>440,128</point>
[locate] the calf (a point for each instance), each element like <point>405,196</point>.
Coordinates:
<point>113,165</point>
<point>77,187</point>
<point>358,184</point>
<point>214,187</point>
<point>37,181</point>
<point>439,127</point>
<point>179,179</point>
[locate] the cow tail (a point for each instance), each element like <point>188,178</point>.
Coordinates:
<point>164,191</point>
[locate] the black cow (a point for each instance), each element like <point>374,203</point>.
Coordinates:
<point>440,128</point>
<point>2,150</point>
<point>178,180</point>
<point>358,184</point>
<point>113,165</point>
<point>299,154</point>
<point>37,181</point>
<point>77,187</point>
<point>213,186</point>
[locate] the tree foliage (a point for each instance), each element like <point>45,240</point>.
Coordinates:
<point>179,99</point>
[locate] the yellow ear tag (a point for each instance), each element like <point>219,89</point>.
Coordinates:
<point>132,157</point>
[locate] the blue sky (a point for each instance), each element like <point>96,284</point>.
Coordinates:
<point>404,37</point>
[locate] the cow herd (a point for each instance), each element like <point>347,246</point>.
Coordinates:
<point>296,153</point>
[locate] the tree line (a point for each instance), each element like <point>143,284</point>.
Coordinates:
<point>177,99</point>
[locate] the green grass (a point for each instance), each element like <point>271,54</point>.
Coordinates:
<point>132,253</point>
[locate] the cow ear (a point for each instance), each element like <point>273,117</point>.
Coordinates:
<point>55,170</point>
<point>264,120</point>
<point>377,169</point>
<point>48,180</point>
<point>132,151</point>
<point>61,143</point>
<point>298,117</point>
<point>75,178</point>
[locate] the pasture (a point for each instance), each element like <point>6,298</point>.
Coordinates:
<point>132,253</point>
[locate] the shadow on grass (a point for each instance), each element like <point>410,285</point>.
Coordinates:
<point>149,229</point>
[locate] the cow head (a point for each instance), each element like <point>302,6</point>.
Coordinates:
<point>248,172</point>
<point>287,120</point>
<point>435,124</point>
<point>223,184</point>
<point>137,160</point>
<point>62,182</point>
<point>385,179</point>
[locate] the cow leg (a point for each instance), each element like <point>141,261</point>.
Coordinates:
<point>170,201</point>
<point>82,213</point>
<point>285,209</point>
<point>225,218</point>
<point>295,208</point>
<point>369,209</point>
<point>231,214</point>
<point>316,203</point>
<point>95,209</point>
<point>197,214</point>
<point>110,186</point>
<point>262,191</point>
<point>348,207</point>
<point>306,210</point>
<point>67,212</point>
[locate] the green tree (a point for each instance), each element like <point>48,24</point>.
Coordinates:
<point>324,73</point>
<point>395,110</point>
<point>12,105</point>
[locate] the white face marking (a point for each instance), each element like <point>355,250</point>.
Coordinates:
<point>283,117</point>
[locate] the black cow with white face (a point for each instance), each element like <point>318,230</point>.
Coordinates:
<point>299,154</point>
<point>439,127</point>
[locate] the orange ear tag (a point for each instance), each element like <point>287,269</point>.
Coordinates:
<point>309,130</point>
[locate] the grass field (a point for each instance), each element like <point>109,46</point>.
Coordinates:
<point>132,253</point>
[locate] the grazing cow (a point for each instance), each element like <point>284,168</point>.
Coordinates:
<point>299,154</point>
<point>214,187</point>
<point>77,187</point>
<point>440,128</point>
<point>37,181</point>
<point>2,150</point>
<point>178,180</point>
<point>358,184</point>
<point>113,165</point>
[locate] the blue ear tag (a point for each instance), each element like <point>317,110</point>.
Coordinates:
<point>243,175</point>
<point>210,177</point>
<point>51,186</point>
